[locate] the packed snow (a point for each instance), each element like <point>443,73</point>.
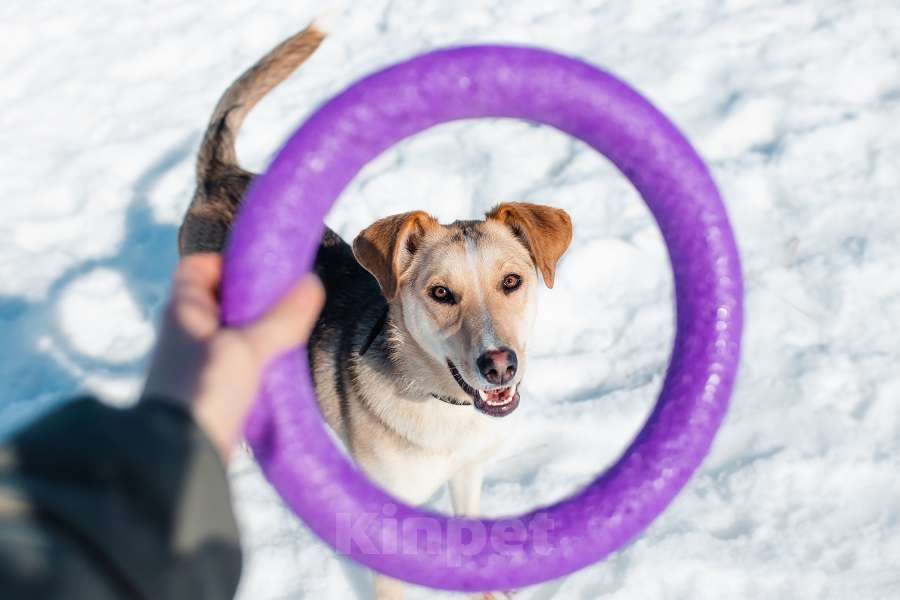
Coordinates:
<point>794,105</point>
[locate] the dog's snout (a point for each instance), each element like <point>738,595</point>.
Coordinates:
<point>498,366</point>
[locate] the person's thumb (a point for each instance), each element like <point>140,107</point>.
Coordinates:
<point>287,324</point>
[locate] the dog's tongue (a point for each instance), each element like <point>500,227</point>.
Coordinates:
<point>498,397</point>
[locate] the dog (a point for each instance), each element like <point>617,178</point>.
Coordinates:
<point>422,344</point>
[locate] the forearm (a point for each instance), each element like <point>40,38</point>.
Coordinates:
<point>117,503</point>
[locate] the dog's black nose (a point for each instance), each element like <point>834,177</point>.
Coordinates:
<point>498,366</point>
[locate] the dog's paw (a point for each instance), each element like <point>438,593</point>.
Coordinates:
<point>327,19</point>
<point>509,595</point>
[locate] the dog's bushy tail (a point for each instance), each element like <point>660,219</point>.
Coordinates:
<point>221,182</point>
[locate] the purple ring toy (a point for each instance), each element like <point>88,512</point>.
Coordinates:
<point>274,243</point>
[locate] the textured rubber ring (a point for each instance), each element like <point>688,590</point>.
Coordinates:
<point>274,243</point>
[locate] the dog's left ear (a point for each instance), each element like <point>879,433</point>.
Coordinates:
<point>386,247</point>
<point>545,231</point>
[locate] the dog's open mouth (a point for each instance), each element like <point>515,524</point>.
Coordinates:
<point>497,402</point>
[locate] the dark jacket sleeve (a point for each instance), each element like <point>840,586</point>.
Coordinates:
<point>100,503</point>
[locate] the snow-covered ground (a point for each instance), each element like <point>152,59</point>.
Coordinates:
<point>795,105</point>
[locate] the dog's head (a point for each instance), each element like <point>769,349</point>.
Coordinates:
<point>467,291</point>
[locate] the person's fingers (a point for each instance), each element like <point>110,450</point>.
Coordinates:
<point>196,297</point>
<point>193,305</point>
<point>202,271</point>
<point>289,323</point>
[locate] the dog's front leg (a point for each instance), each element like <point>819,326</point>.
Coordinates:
<point>387,588</point>
<point>465,494</point>
<point>465,490</point>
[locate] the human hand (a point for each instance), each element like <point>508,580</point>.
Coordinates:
<point>213,370</point>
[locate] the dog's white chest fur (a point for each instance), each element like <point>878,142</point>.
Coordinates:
<point>415,444</point>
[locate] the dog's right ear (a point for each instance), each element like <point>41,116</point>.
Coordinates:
<point>386,247</point>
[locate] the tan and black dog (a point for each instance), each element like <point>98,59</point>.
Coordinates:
<point>421,346</point>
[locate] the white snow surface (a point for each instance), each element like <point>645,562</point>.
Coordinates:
<point>795,106</point>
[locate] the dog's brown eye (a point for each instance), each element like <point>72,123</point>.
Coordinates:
<point>442,294</point>
<point>511,282</point>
